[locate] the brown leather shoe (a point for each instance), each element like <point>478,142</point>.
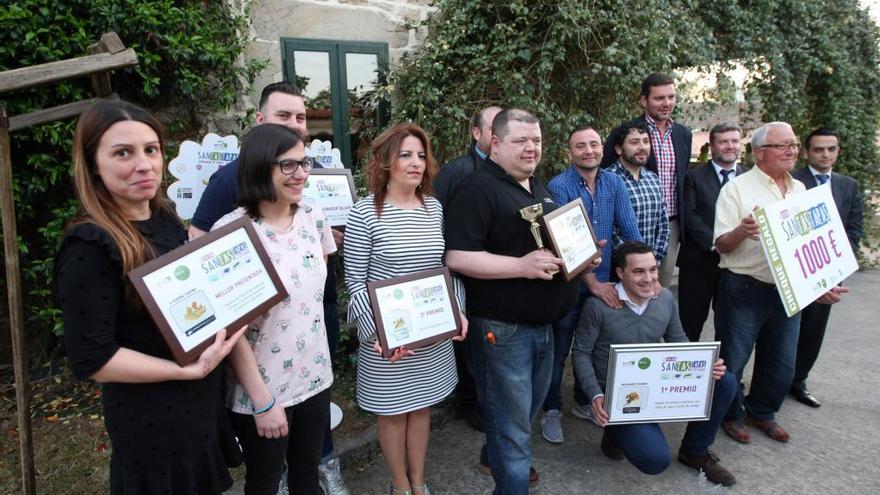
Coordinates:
<point>533,474</point>
<point>771,428</point>
<point>736,431</point>
<point>611,449</point>
<point>708,464</point>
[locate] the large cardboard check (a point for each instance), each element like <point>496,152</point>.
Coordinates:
<point>806,246</point>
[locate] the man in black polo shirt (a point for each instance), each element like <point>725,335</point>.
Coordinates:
<point>514,291</point>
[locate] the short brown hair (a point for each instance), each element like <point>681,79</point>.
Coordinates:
<point>385,149</point>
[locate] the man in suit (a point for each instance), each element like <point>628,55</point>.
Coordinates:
<point>821,150</point>
<point>697,260</point>
<point>455,170</point>
<point>669,158</point>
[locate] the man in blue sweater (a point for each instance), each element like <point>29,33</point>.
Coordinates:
<point>644,319</point>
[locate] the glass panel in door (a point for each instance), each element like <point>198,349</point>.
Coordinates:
<point>313,78</point>
<point>361,74</point>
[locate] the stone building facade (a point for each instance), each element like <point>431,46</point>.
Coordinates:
<point>332,49</point>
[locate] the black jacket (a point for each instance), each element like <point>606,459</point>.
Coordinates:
<point>451,175</point>
<point>701,189</point>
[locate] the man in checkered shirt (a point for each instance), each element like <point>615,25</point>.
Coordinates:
<point>669,157</point>
<point>632,146</point>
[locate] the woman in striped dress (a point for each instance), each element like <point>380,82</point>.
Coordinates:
<point>398,229</point>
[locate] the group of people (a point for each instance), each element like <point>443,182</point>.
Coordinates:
<point>177,428</point>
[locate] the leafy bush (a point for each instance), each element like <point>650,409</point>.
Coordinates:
<point>188,69</point>
<point>572,62</point>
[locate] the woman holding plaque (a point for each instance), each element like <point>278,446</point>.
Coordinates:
<point>279,384</point>
<point>161,418</point>
<point>396,230</point>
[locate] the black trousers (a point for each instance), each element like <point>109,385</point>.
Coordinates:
<point>301,448</point>
<point>697,290</point>
<point>814,319</point>
<point>466,390</point>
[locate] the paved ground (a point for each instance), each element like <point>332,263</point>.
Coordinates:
<point>833,449</point>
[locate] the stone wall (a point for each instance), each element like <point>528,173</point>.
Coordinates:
<point>349,20</point>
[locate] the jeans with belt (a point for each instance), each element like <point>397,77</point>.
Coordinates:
<point>512,381</point>
<point>750,315</point>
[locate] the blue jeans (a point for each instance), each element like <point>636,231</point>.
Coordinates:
<point>750,315</point>
<point>512,382</point>
<point>563,334</point>
<point>645,446</point>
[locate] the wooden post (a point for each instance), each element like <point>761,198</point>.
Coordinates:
<point>109,43</point>
<point>16,312</point>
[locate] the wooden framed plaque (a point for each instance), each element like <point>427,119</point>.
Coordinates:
<point>572,237</point>
<point>223,279</point>
<point>655,383</point>
<point>332,189</point>
<point>414,310</point>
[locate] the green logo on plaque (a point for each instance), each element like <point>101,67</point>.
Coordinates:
<point>398,294</point>
<point>644,363</point>
<point>181,272</point>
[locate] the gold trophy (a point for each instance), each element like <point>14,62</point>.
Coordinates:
<point>530,214</point>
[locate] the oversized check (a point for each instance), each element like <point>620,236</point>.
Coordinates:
<point>806,246</point>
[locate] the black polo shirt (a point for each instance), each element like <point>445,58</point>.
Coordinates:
<point>483,215</point>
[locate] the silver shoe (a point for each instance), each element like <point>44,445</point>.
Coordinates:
<point>330,477</point>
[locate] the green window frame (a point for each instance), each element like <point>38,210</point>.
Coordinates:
<point>337,50</point>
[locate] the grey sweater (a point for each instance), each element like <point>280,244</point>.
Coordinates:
<point>600,326</point>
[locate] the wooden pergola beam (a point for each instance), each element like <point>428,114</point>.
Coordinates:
<point>37,75</point>
<point>47,115</point>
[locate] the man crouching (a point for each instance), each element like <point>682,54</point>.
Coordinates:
<point>644,319</point>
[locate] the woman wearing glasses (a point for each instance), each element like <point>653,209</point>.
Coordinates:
<point>279,384</point>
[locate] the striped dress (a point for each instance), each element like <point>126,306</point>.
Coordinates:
<point>376,248</point>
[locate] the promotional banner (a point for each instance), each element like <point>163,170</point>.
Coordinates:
<point>806,246</point>
<point>194,165</point>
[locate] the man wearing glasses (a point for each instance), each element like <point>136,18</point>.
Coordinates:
<point>280,103</point>
<point>749,309</point>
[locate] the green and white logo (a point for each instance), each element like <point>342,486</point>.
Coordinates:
<point>181,273</point>
<point>644,363</point>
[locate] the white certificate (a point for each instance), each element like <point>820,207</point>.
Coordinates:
<point>572,237</point>
<point>806,246</point>
<point>653,383</point>
<point>221,280</point>
<point>414,310</point>
<point>333,191</point>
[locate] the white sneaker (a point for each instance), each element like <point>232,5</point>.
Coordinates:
<point>551,426</point>
<point>584,412</point>
<point>330,477</point>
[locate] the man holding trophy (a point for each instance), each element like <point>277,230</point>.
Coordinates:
<point>493,240</point>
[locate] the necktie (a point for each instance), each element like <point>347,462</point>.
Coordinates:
<point>822,178</point>
<point>726,176</point>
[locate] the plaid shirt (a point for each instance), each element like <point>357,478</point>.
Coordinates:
<point>609,210</point>
<point>647,201</point>
<point>665,154</point>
